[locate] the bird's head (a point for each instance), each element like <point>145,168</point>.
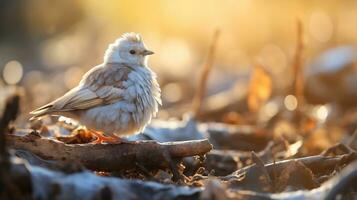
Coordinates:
<point>129,48</point>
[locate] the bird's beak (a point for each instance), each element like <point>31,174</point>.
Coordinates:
<point>147,52</point>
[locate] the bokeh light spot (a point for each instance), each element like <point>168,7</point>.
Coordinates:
<point>270,109</point>
<point>12,72</point>
<point>290,102</point>
<point>322,113</point>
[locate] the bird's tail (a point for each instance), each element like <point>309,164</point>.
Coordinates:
<point>44,110</point>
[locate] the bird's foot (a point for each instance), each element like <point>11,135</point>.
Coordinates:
<point>110,139</point>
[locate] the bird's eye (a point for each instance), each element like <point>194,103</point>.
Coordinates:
<point>132,51</point>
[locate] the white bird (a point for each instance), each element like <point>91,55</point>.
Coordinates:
<point>118,97</point>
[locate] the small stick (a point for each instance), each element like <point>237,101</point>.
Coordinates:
<point>202,82</point>
<point>298,84</point>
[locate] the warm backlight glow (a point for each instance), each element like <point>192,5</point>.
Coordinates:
<point>172,92</point>
<point>320,26</point>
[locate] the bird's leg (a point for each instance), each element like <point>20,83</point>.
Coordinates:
<point>108,139</point>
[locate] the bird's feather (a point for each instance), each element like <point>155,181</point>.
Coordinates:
<point>90,92</point>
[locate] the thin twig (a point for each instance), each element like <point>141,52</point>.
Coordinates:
<point>202,83</point>
<point>298,84</point>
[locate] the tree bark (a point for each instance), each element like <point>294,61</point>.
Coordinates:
<point>109,157</point>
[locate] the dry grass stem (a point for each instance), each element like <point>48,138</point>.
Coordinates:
<point>202,82</point>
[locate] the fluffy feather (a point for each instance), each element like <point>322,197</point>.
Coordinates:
<point>120,96</point>
<point>113,53</point>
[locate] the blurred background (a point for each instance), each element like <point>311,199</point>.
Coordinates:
<point>46,46</point>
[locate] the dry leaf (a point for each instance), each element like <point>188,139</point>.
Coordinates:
<point>260,88</point>
<point>296,176</point>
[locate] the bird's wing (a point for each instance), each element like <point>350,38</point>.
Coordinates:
<point>101,85</point>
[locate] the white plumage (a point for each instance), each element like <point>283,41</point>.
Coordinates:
<point>118,97</point>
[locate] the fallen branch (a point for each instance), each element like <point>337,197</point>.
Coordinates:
<point>108,157</point>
